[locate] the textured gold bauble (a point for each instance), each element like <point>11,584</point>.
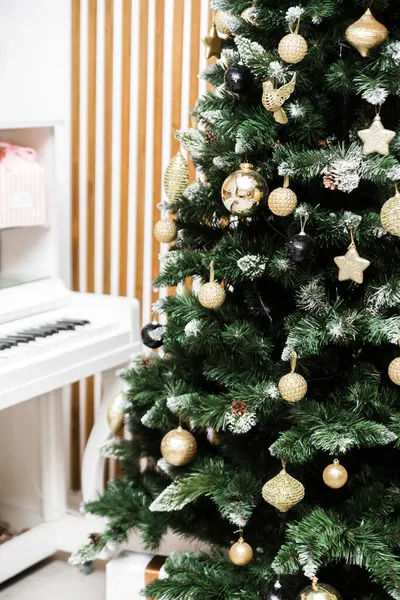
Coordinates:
<point>282,201</point>
<point>283,491</point>
<point>116,415</point>
<point>243,191</point>
<point>178,447</point>
<point>335,476</point>
<point>394,371</point>
<point>273,99</point>
<point>211,294</point>
<point>241,553</point>
<point>292,48</point>
<point>292,387</point>
<point>176,177</point>
<point>390,214</point>
<point>221,20</point>
<point>366,33</point>
<point>319,591</point>
<point>165,231</point>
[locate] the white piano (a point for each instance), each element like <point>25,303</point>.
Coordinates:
<point>50,337</point>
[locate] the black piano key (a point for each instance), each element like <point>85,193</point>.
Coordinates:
<point>40,333</point>
<point>7,343</point>
<point>49,329</point>
<point>21,339</point>
<point>64,326</point>
<point>77,322</point>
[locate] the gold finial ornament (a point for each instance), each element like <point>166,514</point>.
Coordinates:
<point>221,20</point>
<point>283,491</point>
<point>293,47</point>
<point>335,475</point>
<point>116,415</point>
<point>292,387</point>
<point>273,99</point>
<point>351,265</point>
<point>176,177</point>
<point>319,591</point>
<point>212,43</point>
<point>376,139</point>
<point>241,553</point>
<point>211,294</point>
<point>366,33</point>
<point>178,447</point>
<point>165,231</point>
<point>243,191</point>
<point>390,214</point>
<point>282,201</point>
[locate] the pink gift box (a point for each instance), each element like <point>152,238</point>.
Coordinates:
<point>23,188</point>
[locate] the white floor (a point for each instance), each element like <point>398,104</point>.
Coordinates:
<point>56,580</point>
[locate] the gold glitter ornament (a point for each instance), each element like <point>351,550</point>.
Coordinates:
<point>178,447</point>
<point>211,294</point>
<point>241,553</point>
<point>366,33</point>
<point>283,491</point>
<point>116,415</point>
<point>351,265</point>
<point>165,231</point>
<point>394,371</point>
<point>376,139</point>
<point>282,201</point>
<point>221,20</point>
<point>293,47</point>
<point>273,99</point>
<point>212,43</point>
<point>335,475</point>
<point>243,191</point>
<point>292,387</point>
<point>390,214</point>
<point>176,177</point>
<point>319,591</point>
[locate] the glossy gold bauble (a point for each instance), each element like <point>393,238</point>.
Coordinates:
<point>165,231</point>
<point>366,33</point>
<point>292,387</point>
<point>221,20</point>
<point>241,553</point>
<point>319,591</point>
<point>394,371</point>
<point>178,447</point>
<point>116,415</point>
<point>335,476</point>
<point>390,215</point>
<point>283,491</point>
<point>282,201</point>
<point>176,177</point>
<point>292,48</point>
<point>243,191</point>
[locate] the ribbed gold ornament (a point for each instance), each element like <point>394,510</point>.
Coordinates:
<point>292,387</point>
<point>176,177</point>
<point>165,231</point>
<point>178,447</point>
<point>116,415</point>
<point>221,20</point>
<point>366,33</point>
<point>390,214</point>
<point>394,371</point>
<point>243,191</point>
<point>241,553</point>
<point>335,476</point>
<point>283,491</point>
<point>282,201</point>
<point>319,591</point>
<point>211,294</point>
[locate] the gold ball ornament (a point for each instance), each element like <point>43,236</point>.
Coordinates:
<point>282,201</point>
<point>366,33</point>
<point>283,491</point>
<point>293,47</point>
<point>292,387</point>
<point>211,294</point>
<point>176,177</point>
<point>221,21</point>
<point>178,447</point>
<point>394,371</point>
<point>243,191</point>
<point>241,553</point>
<point>390,214</point>
<point>335,475</point>
<point>319,591</point>
<point>165,231</point>
<point>116,415</point>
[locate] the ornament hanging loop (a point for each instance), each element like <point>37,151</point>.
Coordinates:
<point>296,29</point>
<point>283,463</point>
<point>352,243</point>
<point>293,361</point>
<point>315,584</point>
<point>286,181</point>
<point>212,273</point>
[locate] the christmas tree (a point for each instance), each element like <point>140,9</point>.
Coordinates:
<point>275,395</point>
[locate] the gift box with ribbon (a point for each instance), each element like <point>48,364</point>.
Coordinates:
<point>23,188</point>
<point>130,572</point>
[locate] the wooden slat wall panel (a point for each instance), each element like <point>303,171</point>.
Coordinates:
<point>134,77</point>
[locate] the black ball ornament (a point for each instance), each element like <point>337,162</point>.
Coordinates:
<point>301,247</point>
<point>152,335</point>
<point>275,591</point>
<point>238,78</point>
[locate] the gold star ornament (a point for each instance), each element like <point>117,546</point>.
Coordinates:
<point>351,266</point>
<point>376,138</point>
<point>212,43</point>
